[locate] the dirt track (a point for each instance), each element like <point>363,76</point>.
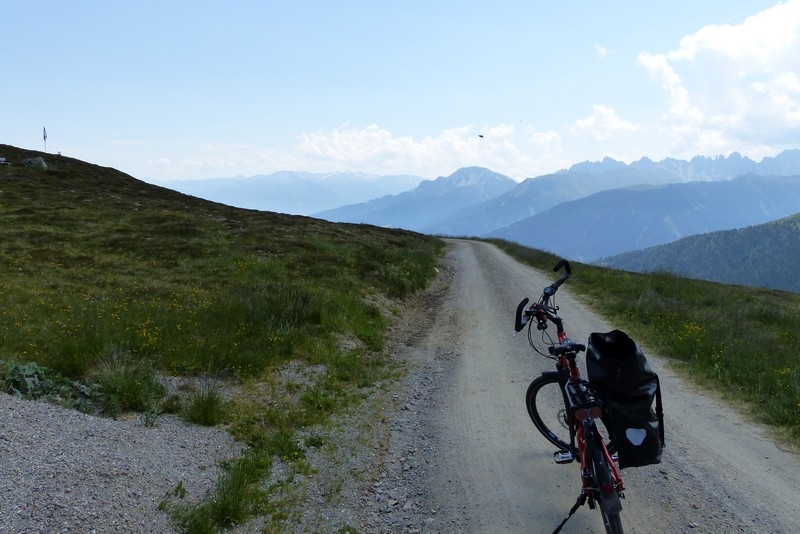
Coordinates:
<point>486,469</point>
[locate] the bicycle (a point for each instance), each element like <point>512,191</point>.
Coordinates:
<point>574,426</point>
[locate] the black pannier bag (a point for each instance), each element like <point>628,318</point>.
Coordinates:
<point>622,379</point>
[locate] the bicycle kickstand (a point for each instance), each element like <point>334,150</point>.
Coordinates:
<point>580,502</point>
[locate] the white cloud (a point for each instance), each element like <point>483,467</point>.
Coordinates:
<point>160,162</point>
<point>502,148</point>
<point>547,138</point>
<point>602,51</point>
<point>602,124</point>
<point>760,39</point>
<point>782,94</point>
<point>377,150</point>
<point>679,103</point>
<point>372,147</point>
<point>734,87</point>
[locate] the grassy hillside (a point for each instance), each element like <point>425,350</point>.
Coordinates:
<point>108,283</point>
<point>766,255</point>
<point>741,341</point>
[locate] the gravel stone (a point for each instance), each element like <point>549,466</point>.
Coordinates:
<point>64,471</point>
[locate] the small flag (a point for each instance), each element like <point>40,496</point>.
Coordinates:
<point>44,133</point>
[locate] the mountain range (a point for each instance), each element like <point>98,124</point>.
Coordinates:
<point>595,209</point>
<point>431,201</point>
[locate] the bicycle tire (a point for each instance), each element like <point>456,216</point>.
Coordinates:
<point>545,402</point>
<point>609,505</point>
<point>550,421</point>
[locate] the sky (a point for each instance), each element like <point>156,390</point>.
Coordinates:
<point>172,90</point>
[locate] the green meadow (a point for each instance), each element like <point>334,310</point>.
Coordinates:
<point>110,284</point>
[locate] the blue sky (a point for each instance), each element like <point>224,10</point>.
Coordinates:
<point>167,90</point>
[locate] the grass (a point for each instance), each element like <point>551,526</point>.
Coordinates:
<point>206,407</point>
<point>110,283</point>
<point>739,340</point>
<point>128,384</point>
<point>235,498</point>
<point>94,260</point>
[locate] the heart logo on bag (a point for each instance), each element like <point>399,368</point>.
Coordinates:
<point>636,435</point>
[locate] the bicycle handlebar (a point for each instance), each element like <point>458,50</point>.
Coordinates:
<point>523,316</point>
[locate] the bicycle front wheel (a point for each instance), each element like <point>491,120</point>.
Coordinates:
<point>545,402</point>
<point>546,406</point>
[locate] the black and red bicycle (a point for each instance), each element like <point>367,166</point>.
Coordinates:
<point>566,410</point>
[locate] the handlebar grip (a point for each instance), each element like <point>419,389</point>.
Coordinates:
<point>520,322</point>
<point>565,264</point>
<point>567,272</point>
<point>565,348</point>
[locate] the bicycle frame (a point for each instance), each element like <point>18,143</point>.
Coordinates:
<point>582,410</point>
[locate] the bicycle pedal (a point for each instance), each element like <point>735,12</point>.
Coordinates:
<point>563,457</point>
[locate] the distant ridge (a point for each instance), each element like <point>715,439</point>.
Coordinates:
<point>319,194</point>
<point>505,207</point>
<point>701,168</point>
<point>766,255</point>
<point>429,201</point>
<point>621,220</point>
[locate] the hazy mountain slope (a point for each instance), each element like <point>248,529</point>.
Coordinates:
<point>432,199</point>
<point>297,193</point>
<point>539,194</point>
<point>536,195</point>
<point>616,221</point>
<point>766,255</point>
<point>304,193</point>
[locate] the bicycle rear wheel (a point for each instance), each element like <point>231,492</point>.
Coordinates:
<point>605,493</point>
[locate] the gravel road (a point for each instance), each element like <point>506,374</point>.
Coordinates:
<point>448,448</point>
<point>473,462</point>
